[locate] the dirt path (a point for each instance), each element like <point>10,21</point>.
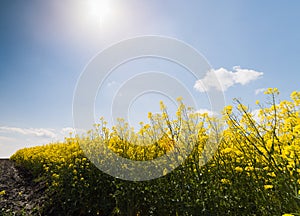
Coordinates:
<point>19,194</point>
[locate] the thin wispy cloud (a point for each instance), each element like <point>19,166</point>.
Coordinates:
<point>207,111</point>
<point>38,132</point>
<point>260,90</point>
<point>50,133</point>
<point>14,138</point>
<point>222,79</point>
<point>66,131</point>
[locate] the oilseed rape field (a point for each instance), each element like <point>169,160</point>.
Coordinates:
<point>238,164</point>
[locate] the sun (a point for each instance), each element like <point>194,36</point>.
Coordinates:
<point>99,11</point>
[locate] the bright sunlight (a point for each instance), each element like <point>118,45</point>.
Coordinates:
<point>99,11</point>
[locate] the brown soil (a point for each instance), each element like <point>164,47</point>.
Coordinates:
<point>22,196</point>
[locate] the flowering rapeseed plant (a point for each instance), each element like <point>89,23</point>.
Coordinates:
<point>254,171</point>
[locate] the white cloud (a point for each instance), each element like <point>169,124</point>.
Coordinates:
<point>260,90</point>
<point>47,133</point>
<point>255,114</point>
<point>67,130</point>
<point>222,79</point>
<point>38,132</point>
<point>14,138</point>
<point>209,112</point>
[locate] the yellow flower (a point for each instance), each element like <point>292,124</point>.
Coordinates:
<point>227,150</point>
<point>162,106</point>
<point>228,109</point>
<point>239,169</point>
<point>164,115</point>
<point>249,168</point>
<point>165,172</point>
<point>266,168</point>
<point>55,184</point>
<point>54,175</point>
<point>268,187</point>
<point>225,181</point>
<point>272,91</point>
<point>272,174</point>
<point>179,99</point>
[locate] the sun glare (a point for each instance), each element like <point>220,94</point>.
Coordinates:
<point>99,11</point>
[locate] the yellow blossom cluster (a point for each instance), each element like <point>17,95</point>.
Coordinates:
<point>260,152</point>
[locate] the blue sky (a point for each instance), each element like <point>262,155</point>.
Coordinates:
<point>45,46</point>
